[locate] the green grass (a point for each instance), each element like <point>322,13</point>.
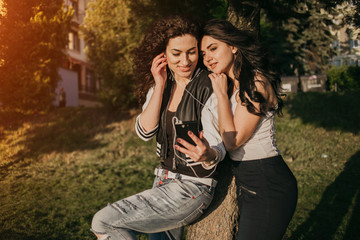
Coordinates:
<point>57,169</point>
<point>319,136</point>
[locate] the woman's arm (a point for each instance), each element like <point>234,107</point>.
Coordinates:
<point>150,116</point>
<point>145,135</point>
<point>244,124</point>
<point>238,128</point>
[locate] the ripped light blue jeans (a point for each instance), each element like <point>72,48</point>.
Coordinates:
<point>170,204</point>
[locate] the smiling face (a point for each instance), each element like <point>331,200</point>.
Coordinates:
<point>218,56</point>
<point>182,55</point>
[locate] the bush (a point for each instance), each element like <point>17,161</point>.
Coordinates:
<point>33,35</point>
<point>344,78</point>
<point>111,34</point>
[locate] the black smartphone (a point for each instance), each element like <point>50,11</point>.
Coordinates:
<point>183,128</point>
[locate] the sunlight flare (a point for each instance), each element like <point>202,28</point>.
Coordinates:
<point>2,8</point>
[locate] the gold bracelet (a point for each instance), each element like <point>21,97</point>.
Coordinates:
<point>212,162</point>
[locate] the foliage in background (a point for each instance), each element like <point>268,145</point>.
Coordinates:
<point>266,19</point>
<point>201,9</point>
<point>344,78</point>
<point>283,55</point>
<point>315,39</point>
<point>352,18</point>
<point>300,42</point>
<point>33,35</point>
<point>356,16</point>
<point>111,33</point>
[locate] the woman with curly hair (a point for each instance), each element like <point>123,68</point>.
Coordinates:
<point>174,90</point>
<point>246,121</point>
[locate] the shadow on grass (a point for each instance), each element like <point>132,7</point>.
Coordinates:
<point>332,111</point>
<point>340,202</point>
<point>61,130</point>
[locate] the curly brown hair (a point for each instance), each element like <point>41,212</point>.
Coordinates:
<point>155,42</point>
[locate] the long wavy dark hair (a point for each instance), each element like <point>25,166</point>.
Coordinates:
<point>155,42</point>
<point>250,59</point>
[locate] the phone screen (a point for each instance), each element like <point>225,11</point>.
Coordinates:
<point>183,128</point>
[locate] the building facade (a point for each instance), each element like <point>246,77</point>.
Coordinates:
<point>347,43</point>
<point>78,79</point>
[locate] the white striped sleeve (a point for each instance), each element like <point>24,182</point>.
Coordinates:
<point>140,131</point>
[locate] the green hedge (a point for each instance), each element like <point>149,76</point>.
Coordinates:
<point>344,78</point>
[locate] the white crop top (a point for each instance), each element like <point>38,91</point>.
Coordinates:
<point>262,144</point>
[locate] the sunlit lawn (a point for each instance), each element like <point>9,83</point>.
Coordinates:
<point>58,169</point>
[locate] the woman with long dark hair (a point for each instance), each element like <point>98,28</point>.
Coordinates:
<point>241,72</point>
<point>174,92</point>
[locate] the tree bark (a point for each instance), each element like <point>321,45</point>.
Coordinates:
<point>220,220</point>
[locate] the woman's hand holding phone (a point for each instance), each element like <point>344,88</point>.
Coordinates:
<point>183,128</point>
<point>199,152</point>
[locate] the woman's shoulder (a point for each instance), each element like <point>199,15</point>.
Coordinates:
<point>203,78</point>
<point>204,73</point>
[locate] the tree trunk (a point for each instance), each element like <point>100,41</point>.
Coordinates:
<point>220,220</point>
<point>244,15</point>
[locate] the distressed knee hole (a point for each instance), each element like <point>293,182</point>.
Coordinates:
<point>100,236</point>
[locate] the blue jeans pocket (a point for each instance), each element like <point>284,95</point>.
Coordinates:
<point>194,215</point>
<point>201,197</point>
<point>205,189</point>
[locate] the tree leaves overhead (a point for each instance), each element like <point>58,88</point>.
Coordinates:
<point>202,9</point>
<point>311,37</point>
<point>297,33</point>
<point>111,33</point>
<point>33,35</point>
<point>307,31</point>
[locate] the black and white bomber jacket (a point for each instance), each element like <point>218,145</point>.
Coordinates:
<point>200,106</point>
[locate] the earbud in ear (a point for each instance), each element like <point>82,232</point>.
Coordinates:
<point>164,55</point>
<point>234,50</point>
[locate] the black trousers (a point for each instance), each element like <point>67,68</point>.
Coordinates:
<point>267,198</point>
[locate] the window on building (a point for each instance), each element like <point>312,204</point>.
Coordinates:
<point>337,63</point>
<point>74,41</point>
<point>74,4</point>
<point>355,43</point>
<point>90,81</point>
